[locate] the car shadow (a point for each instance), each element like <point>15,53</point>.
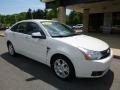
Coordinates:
<point>44,73</point>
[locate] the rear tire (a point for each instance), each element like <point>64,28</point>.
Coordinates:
<point>63,68</point>
<point>11,49</point>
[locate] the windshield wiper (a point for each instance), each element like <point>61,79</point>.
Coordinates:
<point>73,34</point>
<point>58,36</point>
<point>68,35</point>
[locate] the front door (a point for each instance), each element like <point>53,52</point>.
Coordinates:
<point>36,48</point>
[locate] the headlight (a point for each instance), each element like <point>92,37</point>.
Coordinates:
<point>91,55</point>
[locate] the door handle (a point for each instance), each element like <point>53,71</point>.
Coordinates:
<point>27,37</point>
<point>13,34</point>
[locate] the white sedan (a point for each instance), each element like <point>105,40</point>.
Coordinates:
<point>58,46</point>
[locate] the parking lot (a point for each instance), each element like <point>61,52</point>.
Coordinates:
<point>22,73</point>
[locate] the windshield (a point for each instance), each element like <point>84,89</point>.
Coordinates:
<point>56,29</point>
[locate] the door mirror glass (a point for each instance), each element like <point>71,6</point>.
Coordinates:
<point>38,35</point>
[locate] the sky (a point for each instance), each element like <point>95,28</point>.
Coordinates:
<point>17,6</point>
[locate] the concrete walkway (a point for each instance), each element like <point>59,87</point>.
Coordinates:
<point>2,33</point>
<point>112,39</point>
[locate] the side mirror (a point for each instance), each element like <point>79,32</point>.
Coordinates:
<point>38,35</point>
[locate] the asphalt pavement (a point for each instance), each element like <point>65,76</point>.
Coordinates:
<point>22,73</point>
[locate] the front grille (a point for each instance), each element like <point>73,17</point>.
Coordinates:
<point>105,53</point>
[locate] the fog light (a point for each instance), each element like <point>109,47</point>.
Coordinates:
<point>97,73</point>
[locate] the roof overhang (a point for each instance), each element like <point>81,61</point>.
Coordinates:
<point>57,3</point>
<point>47,1</point>
<point>97,7</point>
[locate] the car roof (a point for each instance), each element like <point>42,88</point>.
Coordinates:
<point>35,20</point>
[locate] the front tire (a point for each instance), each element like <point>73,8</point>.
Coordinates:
<point>11,49</point>
<point>63,68</point>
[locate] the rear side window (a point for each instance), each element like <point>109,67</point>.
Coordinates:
<point>27,28</point>
<point>14,28</point>
<point>22,28</point>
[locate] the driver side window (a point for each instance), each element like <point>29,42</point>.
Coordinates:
<point>32,28</point>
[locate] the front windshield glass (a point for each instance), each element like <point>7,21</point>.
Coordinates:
<point>56,29</point>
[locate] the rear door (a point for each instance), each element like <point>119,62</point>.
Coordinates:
<point>19,37</point>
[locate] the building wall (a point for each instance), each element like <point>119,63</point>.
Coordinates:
<point>96,21</point>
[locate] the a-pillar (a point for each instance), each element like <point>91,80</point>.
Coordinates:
<point>85,19</point>
<point>107,27</point>
<point>62,14</point>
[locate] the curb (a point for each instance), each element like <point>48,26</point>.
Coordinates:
<point>117,57</point>
<point>1,35</point>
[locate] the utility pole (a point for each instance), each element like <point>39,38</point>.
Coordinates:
<point>3,20</point>
<point>31,15</point>
<point>15,19</point>
<point>0,22</point>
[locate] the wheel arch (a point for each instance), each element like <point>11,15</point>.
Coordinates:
<point>56,55</point>
<point>59,54</point>
<point>8,42</point>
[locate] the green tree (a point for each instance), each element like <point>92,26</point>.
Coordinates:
<point>72,18</point>
<point>52,13</point>
<point>20,16</point>
<point>75,18</point>
<point>29,14</point>
<point>40,14</point>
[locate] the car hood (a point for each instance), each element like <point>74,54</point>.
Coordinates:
<point>84,41</point>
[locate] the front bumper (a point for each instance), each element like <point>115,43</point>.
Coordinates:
<point>93,69</point>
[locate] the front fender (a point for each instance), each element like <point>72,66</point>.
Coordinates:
<point>73,54</point>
